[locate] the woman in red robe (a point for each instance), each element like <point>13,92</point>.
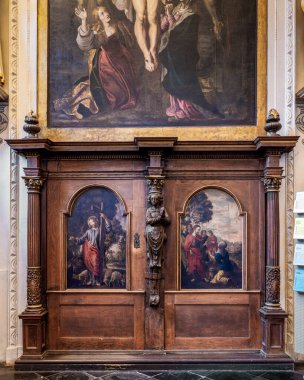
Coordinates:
<point>193,250</point>
<point>92,248</point>
<point>111,82</point>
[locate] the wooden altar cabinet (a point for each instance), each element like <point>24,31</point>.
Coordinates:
<point>59,322</point>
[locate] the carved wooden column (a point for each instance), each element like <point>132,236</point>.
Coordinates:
<point>156,219</point>
<point>271,313</point>
<point>34,316</point>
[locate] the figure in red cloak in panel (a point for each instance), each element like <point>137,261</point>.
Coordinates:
<point>93,254</point>
<point>194,253</point>
<point>111,82</point>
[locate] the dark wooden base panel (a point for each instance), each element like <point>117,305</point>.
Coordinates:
<point>34,334</point>
<point>273,341</point>
<point>251,360</point>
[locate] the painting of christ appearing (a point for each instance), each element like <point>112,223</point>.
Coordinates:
<point>211,242</point>
<point>96,241</point>
<point>133,63</point>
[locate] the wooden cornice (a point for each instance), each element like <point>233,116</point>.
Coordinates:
<point>280,144</point>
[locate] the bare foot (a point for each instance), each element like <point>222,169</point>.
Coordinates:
<point>153,54</point>
<point>78,115</point>
<point>149,64</point>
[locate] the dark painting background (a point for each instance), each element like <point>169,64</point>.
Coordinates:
<point>229,64</point>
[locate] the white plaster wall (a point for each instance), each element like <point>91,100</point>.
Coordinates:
<point>299,152</point>
<point>280,92</point>
<point>299,172</point>
<point>22,262</point>
<point>4,245</point>
<point>4,191</point>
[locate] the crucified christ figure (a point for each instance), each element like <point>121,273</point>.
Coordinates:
<point>146,10</point>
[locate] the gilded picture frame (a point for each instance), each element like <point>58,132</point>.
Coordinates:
<point>202,263</point>
<point>183,131</point>
<point>111,278</point>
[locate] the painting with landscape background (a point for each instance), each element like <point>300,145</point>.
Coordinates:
<point>211,235</point>
<point>152,63</point>
<point>96,241</point>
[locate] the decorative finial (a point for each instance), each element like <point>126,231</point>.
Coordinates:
<point>273,124</point>
<point>31,126</point>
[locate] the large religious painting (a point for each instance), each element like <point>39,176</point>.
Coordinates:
<point>97,241</point>
<point>211,242</point>
<point>149,63</point>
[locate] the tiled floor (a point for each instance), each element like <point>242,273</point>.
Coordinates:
<point>10,374</point>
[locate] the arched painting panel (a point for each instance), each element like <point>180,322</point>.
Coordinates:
<point>97,230</point>
<point>211,236</point>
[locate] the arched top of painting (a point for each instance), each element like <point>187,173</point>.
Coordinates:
<point>97,191</point>
<point>202,197</point>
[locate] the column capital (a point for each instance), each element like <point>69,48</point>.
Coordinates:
<point>34,184</point>
<point>272,183</point>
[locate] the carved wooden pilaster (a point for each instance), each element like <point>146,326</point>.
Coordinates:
<point>156,220</point>
<point>34,316</point>
<point>272,183</point>
<point>34,185</point>
<point>272,315</point>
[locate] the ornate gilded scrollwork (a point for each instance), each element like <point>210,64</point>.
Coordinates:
<point>34,288</point>
<point>156,220</point>
<point>272,286</point>
<point>272,183</point>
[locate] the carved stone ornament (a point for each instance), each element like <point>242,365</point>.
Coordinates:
<point>272,287</point>
<point>34,288</point>
<point>156,220</point>
<point>31,126</point>
<point>273,124</point>
<point>272,183</point>
<point>300,118</point>
<point>34,184</point>
<point>3,118</point>
<point>155,185</point>
<point>300,111</point>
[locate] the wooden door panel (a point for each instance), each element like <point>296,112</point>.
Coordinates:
<point>96,321</point>
<point>193,320</point>
<point>212,320</point>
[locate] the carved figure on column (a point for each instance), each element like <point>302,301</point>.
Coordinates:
<point>156,220</point>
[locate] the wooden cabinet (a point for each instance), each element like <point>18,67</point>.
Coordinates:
<point>99,318</point>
